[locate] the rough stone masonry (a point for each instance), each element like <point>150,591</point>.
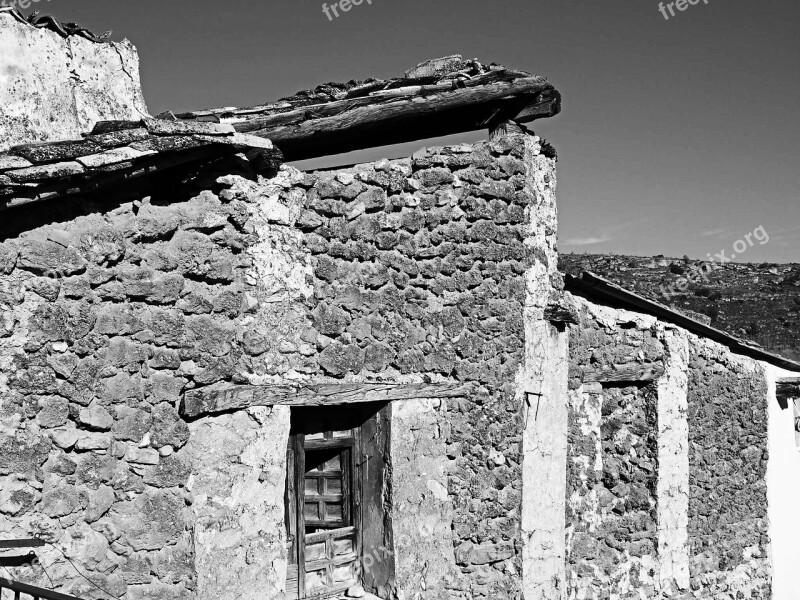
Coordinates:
<point>600,452</point>
<point>405,271</point>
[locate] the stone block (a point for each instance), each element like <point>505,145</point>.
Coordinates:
<point>96,417</point>
<point>210,335</point>
<point>378,357</point>
<point>171,471</point>
<point>8,258</point>
<point>85,546</point>
<point>150,522</point>
<point>338,359</point>
<point>165,359</point>
<point>16,497</point>
<point>92,441</point>
<point>123,389</point>
<point>61,464</point>
<point>168,429</point>
<point>330,320</point>
<point>163,387</point>
<point>122,352</point>
<point>44,257</point>
<point>54,412</point>
<point>131,424</point>
<point>95,469</point>
<point>65,438</point>
<point>102,245</point>
<point>61,501</point>
<point>142,456</point>
<point>22,454</point>
<point>100,501</point>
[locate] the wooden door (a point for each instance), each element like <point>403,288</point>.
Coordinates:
<point>323,524</point>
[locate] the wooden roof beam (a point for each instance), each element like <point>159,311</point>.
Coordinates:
<point>447,97</point>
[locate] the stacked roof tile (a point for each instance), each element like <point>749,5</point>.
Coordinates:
<point>116,151</point>
<point>437,74</point>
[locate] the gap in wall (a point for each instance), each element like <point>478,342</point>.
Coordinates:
<point>348,159</point>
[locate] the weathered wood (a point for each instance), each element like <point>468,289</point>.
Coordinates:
<point>406,114</point>
<point>223,398</point>
<point>787,390</point>
<point>624,373</point>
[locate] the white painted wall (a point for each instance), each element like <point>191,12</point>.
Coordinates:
<point>783,493</point>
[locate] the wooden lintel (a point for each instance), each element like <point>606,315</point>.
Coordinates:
<point>787,390</point>
<point>223,398</point>
<point>624,373</point>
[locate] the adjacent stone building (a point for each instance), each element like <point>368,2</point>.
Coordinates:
<point>222,377</point>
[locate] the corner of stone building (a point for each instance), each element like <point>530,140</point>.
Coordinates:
<point>54,88</point>
<point>541,385</point>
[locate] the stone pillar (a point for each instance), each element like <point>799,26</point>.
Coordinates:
<point>542,394</point>
<point>673,465</point>
<point>544,472</point>
<point>53,88</point>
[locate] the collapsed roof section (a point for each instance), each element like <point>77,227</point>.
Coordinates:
<point>438,97</point>
<point>117,151</point>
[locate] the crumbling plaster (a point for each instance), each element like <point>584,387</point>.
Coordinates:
<point>421,508</point>
<point>52,88</point>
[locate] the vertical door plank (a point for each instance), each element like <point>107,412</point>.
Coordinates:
<point>299,475</point>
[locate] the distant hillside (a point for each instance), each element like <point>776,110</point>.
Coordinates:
<point>760,303</point>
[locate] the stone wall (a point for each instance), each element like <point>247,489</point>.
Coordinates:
<point>110,311</point>
<point>411,270</point>
<point>728,435</point>
<point>420,274</point>
<point>53,88</point>
<point>666,490</point>
<point>612,533</point>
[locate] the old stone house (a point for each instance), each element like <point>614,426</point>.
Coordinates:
<point>222,377</point>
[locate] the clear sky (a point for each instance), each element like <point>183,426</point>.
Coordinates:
<point>677,136</point>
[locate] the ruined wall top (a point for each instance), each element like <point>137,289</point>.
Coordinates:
<point>54,88</point>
